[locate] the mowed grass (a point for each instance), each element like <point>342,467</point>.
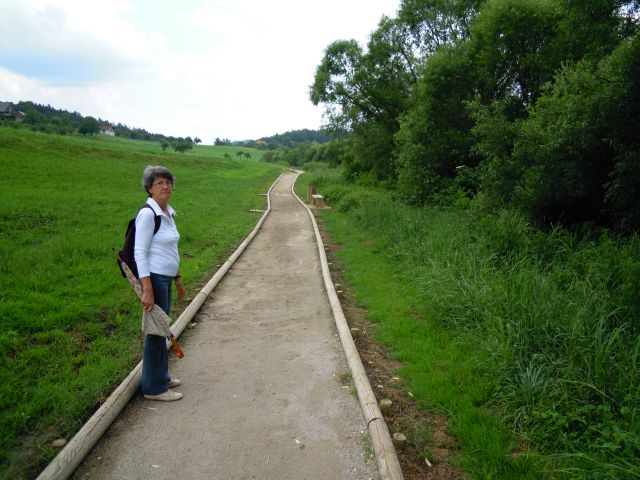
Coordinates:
<point>69,323</point>
<point>527,340</point>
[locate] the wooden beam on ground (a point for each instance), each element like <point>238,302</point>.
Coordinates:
<point>386,457</point>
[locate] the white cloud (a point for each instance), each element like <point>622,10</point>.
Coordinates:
<point>235,69</point>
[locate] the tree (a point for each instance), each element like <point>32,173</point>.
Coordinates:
<point>89,126</point>
<point>579,153</point>
<point>363,92</point>
<point>182,145</point>
<point>434,138</point>
<point>552,135</point>
<point>515,48</point>
<point>368,92</point>
<point>428,25</point>
<point>33,117</point>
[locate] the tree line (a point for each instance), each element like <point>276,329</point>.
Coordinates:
<point>287,140</point>
<point>524,104</point>
<point>332,153</point>
<point>294,138</point>
<point>47,119</point>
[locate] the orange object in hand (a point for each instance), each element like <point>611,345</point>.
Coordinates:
<point>177,348</point>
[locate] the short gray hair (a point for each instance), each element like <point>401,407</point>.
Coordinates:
<point>151,173</point>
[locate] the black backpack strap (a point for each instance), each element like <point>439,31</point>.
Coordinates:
<point>156,218</point>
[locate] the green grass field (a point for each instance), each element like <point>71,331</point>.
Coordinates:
<point>70,324</point>
<point>527,341</point>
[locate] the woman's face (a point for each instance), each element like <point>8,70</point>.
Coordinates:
<point>161,189</point>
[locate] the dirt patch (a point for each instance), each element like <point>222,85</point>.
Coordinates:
<point>430,448</point>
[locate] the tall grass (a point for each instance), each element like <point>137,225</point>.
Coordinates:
<point>553,321</point>
<point>69,323</point>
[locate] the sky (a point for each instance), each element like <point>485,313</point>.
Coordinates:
<point>236,69</point>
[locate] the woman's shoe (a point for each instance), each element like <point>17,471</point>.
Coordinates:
<point>168,396</point>
<point>174,383</point>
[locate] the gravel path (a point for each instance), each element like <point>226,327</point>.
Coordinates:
<point>261,378</point>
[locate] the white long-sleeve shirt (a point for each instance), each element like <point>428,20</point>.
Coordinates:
<point>156,253</point>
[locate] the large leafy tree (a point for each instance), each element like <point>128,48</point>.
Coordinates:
<point>366,91</point>
<point>434,140</point>
<point>359,87</point>
<point>89,126</point>
<point>579,152</point>
<point>430,24</point>
<point>553,142</point>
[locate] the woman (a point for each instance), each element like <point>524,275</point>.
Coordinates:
<point>158,260</point>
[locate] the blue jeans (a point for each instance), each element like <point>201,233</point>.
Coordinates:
<point>155,359</point>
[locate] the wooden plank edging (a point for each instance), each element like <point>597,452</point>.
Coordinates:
<point>69,458</point>
<point>387,459</point>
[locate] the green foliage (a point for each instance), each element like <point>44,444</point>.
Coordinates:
<point>365,92</point>
<point>524,103</point>
<point>507,115</point>
<point>430,24</point>
<point>89,126</point>
<point>372,152</point>
<point>591,29</point>
<point>47,119</point>
<point>182,145</point>
<point>575,159</point>
<point>514,48</point>
<point>440,368</point>
<point>293,138</point>
<point>332,153</point>
<point>434,139</point>
<point>69,323</point>
<point>548,318</point>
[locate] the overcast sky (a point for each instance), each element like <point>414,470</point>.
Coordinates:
<point>237,69</point>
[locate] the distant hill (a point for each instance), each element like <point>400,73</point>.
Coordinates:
<point>291,139</point>
<point>48,119</point>
<point>297,137</point>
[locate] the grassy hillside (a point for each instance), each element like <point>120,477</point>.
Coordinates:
<point>69,323</point>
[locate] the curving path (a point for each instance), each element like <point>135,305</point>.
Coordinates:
<point>261,378</point>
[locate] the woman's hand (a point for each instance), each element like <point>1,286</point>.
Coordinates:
<point>147,294</point>
<point>181,291</point>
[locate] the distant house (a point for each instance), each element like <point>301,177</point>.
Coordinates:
<point>107,130</point>
<point>7,109</point>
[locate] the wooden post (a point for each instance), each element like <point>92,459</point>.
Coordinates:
<point>318,201</point>
<point>310,192</point>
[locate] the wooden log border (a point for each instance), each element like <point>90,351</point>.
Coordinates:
<point>69,458</point>
<point>386,457</point>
